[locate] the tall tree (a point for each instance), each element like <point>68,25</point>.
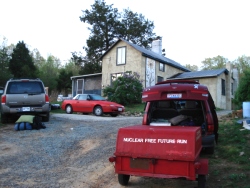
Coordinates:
<point>136,29</point>
<point>37,58</point>
<point>49,71</point>
<point>104,20</point>
<point>214,63</point>
<point>4,63</point>
<point>107,24</point>
<point>242,63</point>
<point>63,81</point>
<point>21,64</point>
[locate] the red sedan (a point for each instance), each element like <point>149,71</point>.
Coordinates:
<point>92,103</point>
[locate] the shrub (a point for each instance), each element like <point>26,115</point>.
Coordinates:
<point>126,89</point>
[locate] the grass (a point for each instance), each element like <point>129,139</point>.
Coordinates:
<point>135,108</point>
<point>229,166</point>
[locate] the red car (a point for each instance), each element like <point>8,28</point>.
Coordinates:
<point>92,103</point>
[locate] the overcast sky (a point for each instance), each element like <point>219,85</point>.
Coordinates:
<point>192,30</point>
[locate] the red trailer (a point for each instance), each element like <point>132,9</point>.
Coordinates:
<point>179,121</point>
<point>158,151</point>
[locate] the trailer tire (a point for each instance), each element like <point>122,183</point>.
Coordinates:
<point>123,179</point>
<point>201,181</point>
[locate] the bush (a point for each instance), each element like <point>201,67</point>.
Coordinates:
<point>126,89</point>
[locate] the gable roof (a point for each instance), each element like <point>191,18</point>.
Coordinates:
<point>150,54</point>
<point>199,74</point>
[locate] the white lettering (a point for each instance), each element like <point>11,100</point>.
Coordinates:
<point>167,141</point>
<point>132,139</point>
<point>149,140</point>
<point>180,141</point>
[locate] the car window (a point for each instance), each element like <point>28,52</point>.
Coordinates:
<point>82,97</point>
<point>97,97</point>
<point>1,91</point>
<point>24,87</point>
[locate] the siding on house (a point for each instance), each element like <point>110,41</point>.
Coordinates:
<point>136,61</point>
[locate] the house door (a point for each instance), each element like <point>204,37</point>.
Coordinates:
<point>80,86</point>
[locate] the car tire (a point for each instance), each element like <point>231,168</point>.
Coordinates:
<point>4,118</point>
<point>209,150</point>
<point>69,109</point>
<point>114,115</point>
<point>46,118</point>
<point>98,111</point>
<point>123,179</point>
<point>201,181</point>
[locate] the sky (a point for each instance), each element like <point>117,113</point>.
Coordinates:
<point>191,30</point>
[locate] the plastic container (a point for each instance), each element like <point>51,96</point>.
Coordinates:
<point>246,109</point>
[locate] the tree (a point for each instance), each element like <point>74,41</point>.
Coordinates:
<point>243,92</point>
<point>136,29</point>
<point>104,21</point>
<point>242,63</point>
<point>214,63</point>
<point>37,58</point>
<point>49,71</point>
<point>126,89</point>
<point>63,81</point>
<point>4,63</point>
<point>86,66</point>
<point>107,24</point>
<point>21,64</point>
<point>192,67</point>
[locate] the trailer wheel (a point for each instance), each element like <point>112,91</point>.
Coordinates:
<point>201,181</point>
<point>123,179</point>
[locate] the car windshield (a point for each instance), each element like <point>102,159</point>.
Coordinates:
<point>97,97</point>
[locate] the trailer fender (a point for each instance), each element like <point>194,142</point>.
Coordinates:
<point>201,166</point>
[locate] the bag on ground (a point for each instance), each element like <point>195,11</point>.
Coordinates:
<point>29,122</point>
<point>23,126</point>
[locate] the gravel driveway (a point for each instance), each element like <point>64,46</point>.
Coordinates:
<point>72,151</point>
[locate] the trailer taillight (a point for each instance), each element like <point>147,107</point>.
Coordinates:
<point>3,100</point>
<point>210,128</point>
<point>112,159</point>
<point>46,98</point>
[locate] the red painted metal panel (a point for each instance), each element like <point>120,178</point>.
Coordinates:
<point>161,168</point>
<point>171,143</point>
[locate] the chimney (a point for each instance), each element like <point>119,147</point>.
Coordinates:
<point>157,46</point>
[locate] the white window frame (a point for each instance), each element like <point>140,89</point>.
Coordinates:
<point>121,55</point>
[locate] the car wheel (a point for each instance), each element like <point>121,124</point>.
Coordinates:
<point>201,181</point>
<point>98,111</point>
<point>123,179</point>
<point>4,118</point>
<point>69,109</point>
<point>114,115</point>
<point>209,150</point>
<point>46,118</point>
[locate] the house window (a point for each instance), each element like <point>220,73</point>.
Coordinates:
<point>114,76</point>
<point>223,87</point>
<point>121,56</point>
<point>162,67</point>
<point>159,79</point>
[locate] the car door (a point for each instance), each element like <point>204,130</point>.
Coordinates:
<point>80,103</point>
<point>84,104</point>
